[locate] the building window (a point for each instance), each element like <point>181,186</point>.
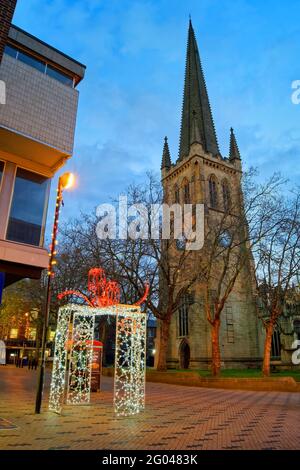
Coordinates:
<point>297,328</point>
<point>183,318</point>
<point>31,334</point>
<point>226,195</point>
<point>14,333</point>
<point>39,65</point>
<point>229,324</point>
<point>225,239</point>
<point>276,345</point>
<point>28,208</point>
<point>57,75</point>
<point>11,51</point>
<point>186,193</point>
<point>31,61</point>
<point>213,195</point>
<point>176,194</point>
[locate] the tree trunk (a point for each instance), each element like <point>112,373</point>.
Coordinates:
<point>267,349</point>
<point>163,344</point>
<point>215,348</point>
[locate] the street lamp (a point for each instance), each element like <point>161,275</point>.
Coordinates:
<point>65,181</point>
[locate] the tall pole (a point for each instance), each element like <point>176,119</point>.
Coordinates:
<point>50,274</point>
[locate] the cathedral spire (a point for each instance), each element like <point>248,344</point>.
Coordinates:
<point>234,153</point>
<point>195,100</point>
<point>195,135</point>
<point>166,157</point>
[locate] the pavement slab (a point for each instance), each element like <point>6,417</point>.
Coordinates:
<point>176,417</point>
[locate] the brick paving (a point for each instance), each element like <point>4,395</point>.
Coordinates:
<point>176,417</point>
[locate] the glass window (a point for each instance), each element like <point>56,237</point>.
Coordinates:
<point>297,328</point>
<point>276,345</point>
<point>1,171</point>
<point>13,333</point>
<point>39,65</point>
<point>32,61</point>
<point>213,192</point>
<point>176,193</point>
<point>225,239</point>
<point>226,195</point>
<point>27,209</point>
<point>186,193</point>
<point>229,324</point>
<point>58,75</point>
<point>183,318</point>
<point>31,333</point>
<point>10,50</point>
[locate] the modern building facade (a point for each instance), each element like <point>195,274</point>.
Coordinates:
<point>37,124</point>
<point>201,175</point>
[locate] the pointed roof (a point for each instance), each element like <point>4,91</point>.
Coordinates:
<point>166,157</point>
<point>195,100</point>
<point>234,152</point>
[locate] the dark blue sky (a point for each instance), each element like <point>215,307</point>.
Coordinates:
<point>132,94</point>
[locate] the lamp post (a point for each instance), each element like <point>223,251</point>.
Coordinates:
<point>65,182</point>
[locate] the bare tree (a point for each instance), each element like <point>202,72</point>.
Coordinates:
<point>22,305</point>
<point>133,262</point>
<point>277,259</point>
<point>231,237</point>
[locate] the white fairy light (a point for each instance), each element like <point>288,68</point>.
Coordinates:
<point>60,360</point>
<point>130,356</point>
<point>129,393</point>
<point>79,382</point>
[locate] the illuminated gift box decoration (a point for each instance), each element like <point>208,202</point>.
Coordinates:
<point>75,331</point>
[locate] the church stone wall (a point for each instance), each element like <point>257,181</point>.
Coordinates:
<point>245,350</point>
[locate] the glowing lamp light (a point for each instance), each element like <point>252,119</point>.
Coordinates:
<point>67,180</point>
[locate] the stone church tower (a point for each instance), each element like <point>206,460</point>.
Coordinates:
<point>208,178</point>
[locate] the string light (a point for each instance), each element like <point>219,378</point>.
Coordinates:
<point>60,360</point>
<point>130,355</point>
<point>129,382</point>
<point>80,368</point>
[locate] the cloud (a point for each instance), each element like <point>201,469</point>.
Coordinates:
<point>101,174</point>
<point>132,93</point>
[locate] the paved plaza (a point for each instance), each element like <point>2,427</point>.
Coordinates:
<point>176,417</point>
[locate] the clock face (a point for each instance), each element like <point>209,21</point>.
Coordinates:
<point>225,239</point>
<point>181,243</point>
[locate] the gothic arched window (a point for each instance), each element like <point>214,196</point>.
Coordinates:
<point>176,194</point>
<point>183,317</point>
<point>226,195</point>
<point>213,192</point>
<point>276,345</point>
<point>186,191</point>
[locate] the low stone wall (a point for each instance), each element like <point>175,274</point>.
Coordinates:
<point>193,379</point>
<point>280,384</point>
